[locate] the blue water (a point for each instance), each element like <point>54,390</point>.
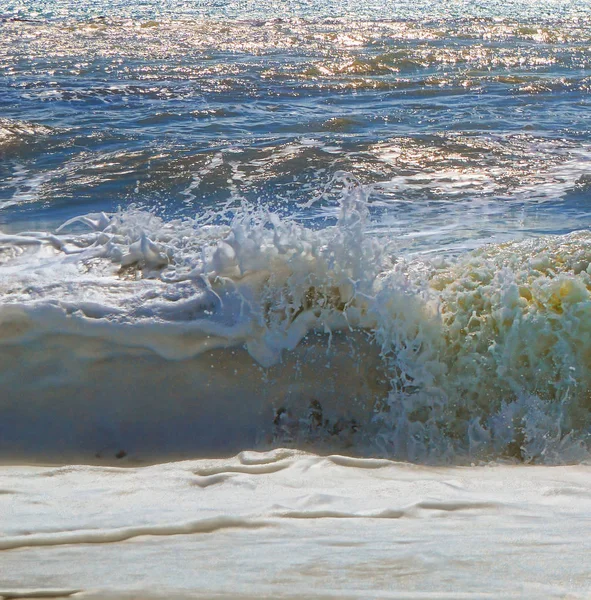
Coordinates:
<point>471,122</point>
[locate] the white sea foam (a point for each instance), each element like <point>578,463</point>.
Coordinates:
<point>285,521</point>
<point>128,332</point>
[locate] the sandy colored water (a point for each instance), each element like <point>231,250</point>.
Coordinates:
<point>287,524</point>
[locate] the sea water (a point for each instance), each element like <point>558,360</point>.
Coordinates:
<point>341,229</point>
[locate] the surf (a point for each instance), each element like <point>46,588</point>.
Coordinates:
<point>130,333</point>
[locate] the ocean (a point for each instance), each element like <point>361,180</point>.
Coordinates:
<point>298,294</point>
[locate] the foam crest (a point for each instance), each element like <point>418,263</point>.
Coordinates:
<point>500,367</point>
<point>259,280</point>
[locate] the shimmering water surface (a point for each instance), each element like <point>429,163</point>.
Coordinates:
<point>471,122</point>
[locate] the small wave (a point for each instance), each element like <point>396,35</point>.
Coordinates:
<point>17,133</point>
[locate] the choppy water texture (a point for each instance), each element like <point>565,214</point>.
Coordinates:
<point>347,225</point>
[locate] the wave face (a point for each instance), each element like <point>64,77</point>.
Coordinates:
<point>124,333</point>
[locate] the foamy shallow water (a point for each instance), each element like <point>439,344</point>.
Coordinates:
<point>286,524</point>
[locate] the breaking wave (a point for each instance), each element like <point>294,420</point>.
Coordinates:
<point>129,335</point>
